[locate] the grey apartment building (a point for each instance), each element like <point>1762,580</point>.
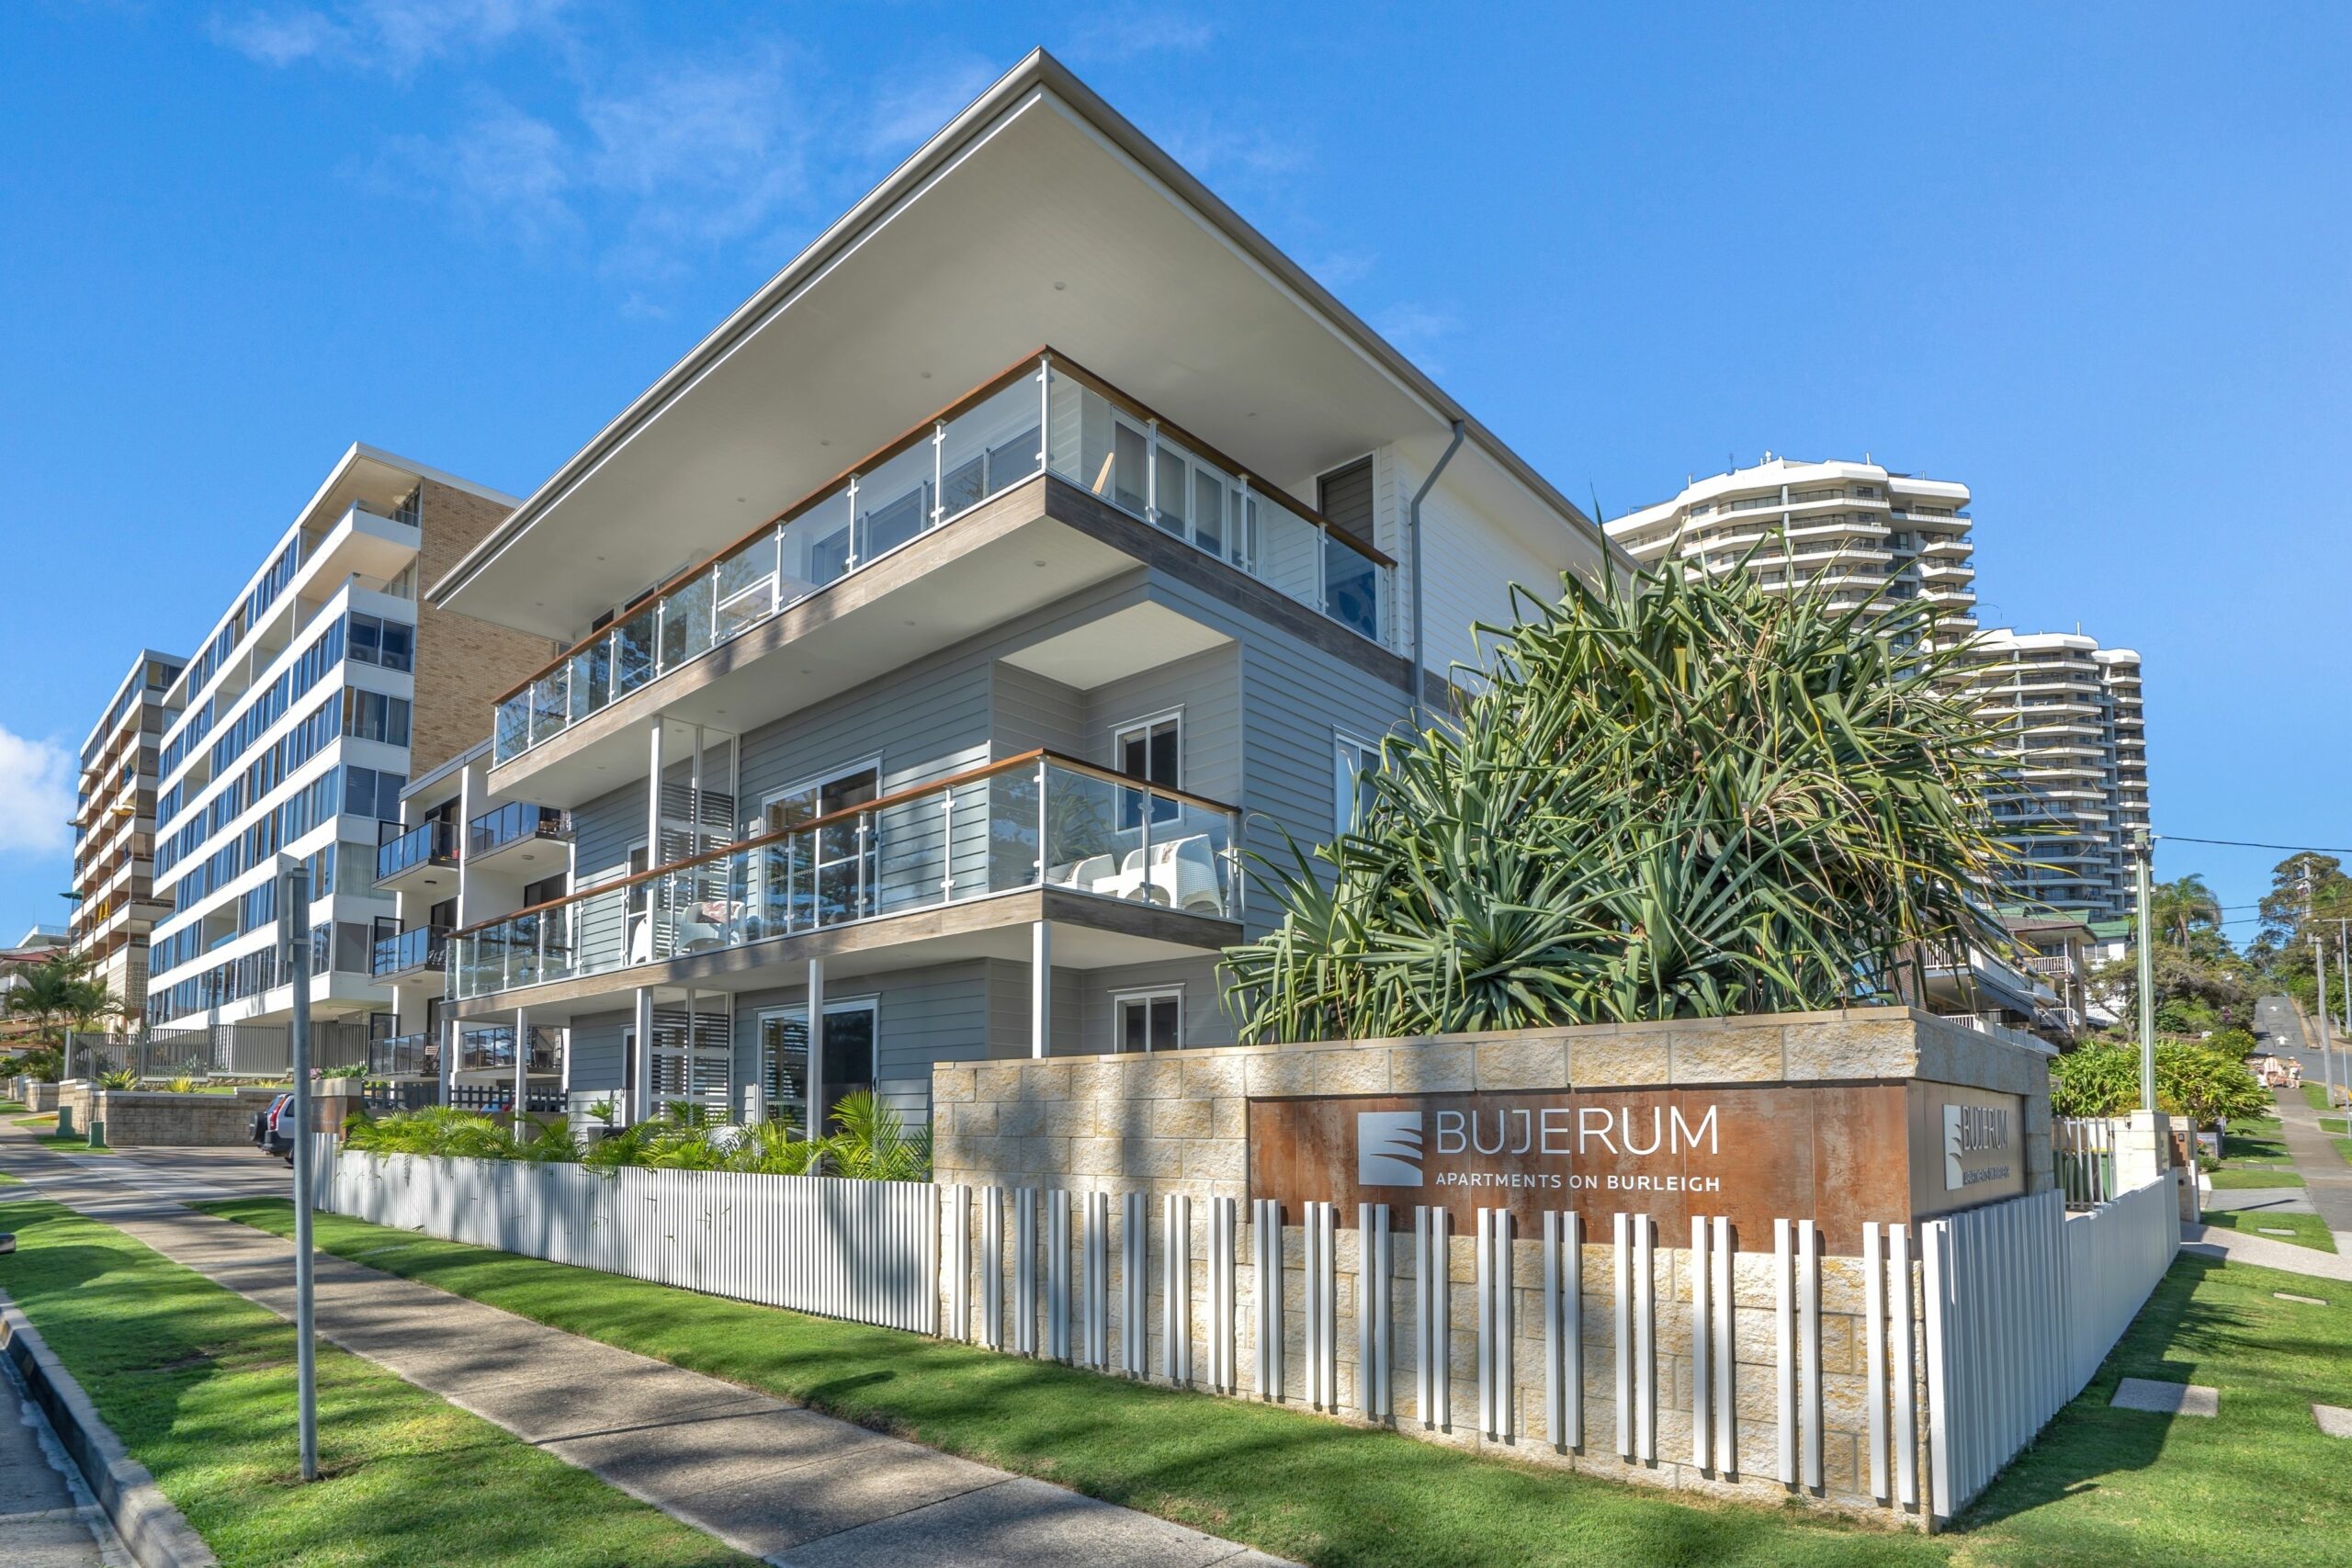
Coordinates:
<point>938,639</point>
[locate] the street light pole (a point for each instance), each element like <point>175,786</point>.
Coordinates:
<point>2147,980</point>
<point>2327,1035</point>
<point>294,933</point>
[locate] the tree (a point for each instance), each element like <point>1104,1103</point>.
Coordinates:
<point>2183,904</point>
<point>2193,1081</point>
<point>2096,1080</point>
<point>61,990</point>
<point>2194,994</point>
<point>2206,1086</point>
<point>1689,798</point>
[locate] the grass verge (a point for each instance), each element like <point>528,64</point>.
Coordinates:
<point>1294,1485</point>
<point>46,1119</point>
<point>2250,1178</point>
<point>2256,1141</point>
<point>2103,1487</point>
<point>2315,1096</point>
<point>199,1383</point>
<point>73,1143</point>
<point>2309,1230</point>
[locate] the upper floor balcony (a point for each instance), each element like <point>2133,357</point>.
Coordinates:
<point>422,860</point>
<point>1032,822</point>
<point>410,955</point>
<point>1046,416</point>
<point>517,832</point>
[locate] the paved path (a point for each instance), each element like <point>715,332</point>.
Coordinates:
<point>766,1477</point>
<point>2237,1246</point>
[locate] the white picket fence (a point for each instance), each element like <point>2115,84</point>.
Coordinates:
<point>2024,1302</point>
<point>864,1250</point>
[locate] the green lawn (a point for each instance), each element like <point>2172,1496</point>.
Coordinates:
<point>73,1143</point>
<point>2101,1487</point>
<point>1294,1485</point>
<point>46,1119</point>
<point>2315,1096</point>
<point>2247,1178</point>
<point>2256,1141</point>
<point>2309,1230</point>
<point>199,1385</point>
<point>2108,1487</point>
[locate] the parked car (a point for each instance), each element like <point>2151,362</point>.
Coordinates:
<point>273,1133</point>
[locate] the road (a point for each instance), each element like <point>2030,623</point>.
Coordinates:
<point>2280,1028</point>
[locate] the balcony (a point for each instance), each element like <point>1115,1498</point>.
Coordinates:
<point>514,833</point>
<point>422,860</point>
<point>1045,416</point>
<point>1036,821</point>
<point>405,1056</point>
<point>411,954</point>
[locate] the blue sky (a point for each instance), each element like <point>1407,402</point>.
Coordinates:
<point>2090,261</point>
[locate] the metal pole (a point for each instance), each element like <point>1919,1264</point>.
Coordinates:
<point>2327,1034</point>
<point>294,929</point>
<point>2147,982</point>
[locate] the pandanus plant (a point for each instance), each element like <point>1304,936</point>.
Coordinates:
<point>1675,799</point>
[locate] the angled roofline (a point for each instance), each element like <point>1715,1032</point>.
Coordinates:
<point>1037,70</point>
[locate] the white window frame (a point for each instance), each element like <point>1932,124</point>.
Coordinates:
<point>1146,994</point>
<point>1347,787</point>
<point>1148,723</point>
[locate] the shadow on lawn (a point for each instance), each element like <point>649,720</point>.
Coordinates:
<point>2090,1440</point>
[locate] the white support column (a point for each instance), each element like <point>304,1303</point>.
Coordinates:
<point>1041,989</point>
<point>451,1033</point>
<point>641,1107</point>
<point>813,1082</point>
<point>653,795</point>
<point>522,1071</point>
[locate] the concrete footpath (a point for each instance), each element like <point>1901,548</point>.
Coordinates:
<point>766,1477</point>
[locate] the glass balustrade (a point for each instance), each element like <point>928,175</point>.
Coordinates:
<point>424,948</point>
<point>420,845</point>
<point>1042,417</point>
<point>1036,821</point>
<point>513,823</point>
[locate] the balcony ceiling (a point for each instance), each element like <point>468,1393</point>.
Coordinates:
<point>1033,226</point>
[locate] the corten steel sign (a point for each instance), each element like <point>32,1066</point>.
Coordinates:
<point>1839,1153</point>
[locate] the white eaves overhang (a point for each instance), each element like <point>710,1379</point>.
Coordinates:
<point>1038,216</point>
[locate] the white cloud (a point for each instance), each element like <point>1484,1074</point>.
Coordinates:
<point>912,103</point>
<point>1133,31</point>
<point>504,170</point>
<point>36,796</point>
<point>698,153</point>
<point>1233,153</point>
<point>1417,330</point>
<point>395,36</point>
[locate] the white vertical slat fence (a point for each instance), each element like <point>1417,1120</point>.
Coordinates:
<point>2023,1303</point>
<point>863,1250</point>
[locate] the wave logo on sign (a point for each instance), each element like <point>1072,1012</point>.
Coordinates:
<point>1388,1148</point>
<point>1969,1130</point>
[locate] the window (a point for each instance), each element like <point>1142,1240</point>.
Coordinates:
<point>1151,750</point>
<point>372,716</point>
<point>1147,1020</point>
<point>1353,762</point>
<point>843,872</point>
<point>851,1060</point>
<point>1344,497</point>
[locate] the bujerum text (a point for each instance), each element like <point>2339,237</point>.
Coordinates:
<point>1565,1130</point>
